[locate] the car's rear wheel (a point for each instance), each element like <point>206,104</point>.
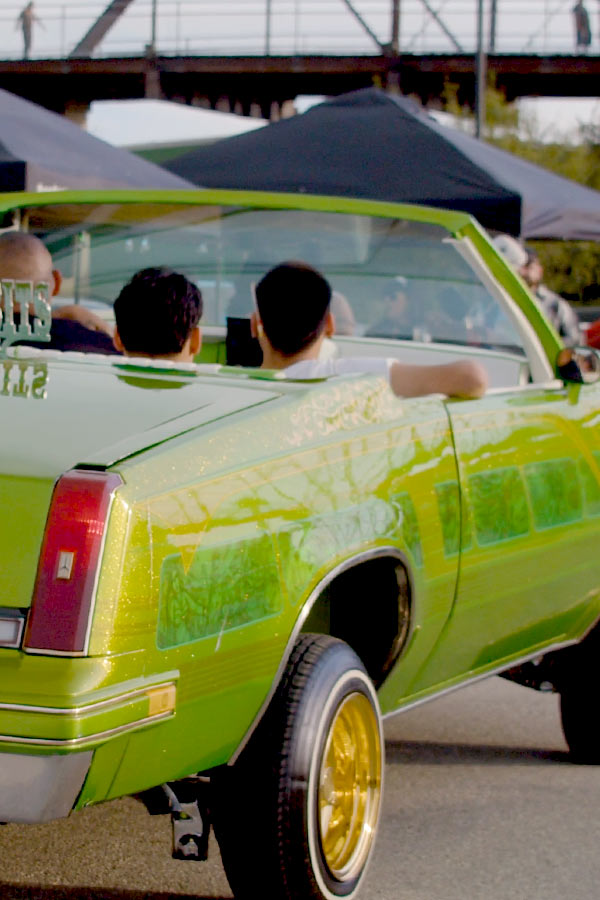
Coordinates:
<point>296,816</point>
<point>580,725</point>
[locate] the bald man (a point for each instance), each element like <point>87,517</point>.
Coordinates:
<point>24,257</point>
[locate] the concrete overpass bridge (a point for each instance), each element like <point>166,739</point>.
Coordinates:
<point>255,85</point>
<point>250,56</point>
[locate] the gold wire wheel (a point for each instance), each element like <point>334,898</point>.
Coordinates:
<point>350,787</point>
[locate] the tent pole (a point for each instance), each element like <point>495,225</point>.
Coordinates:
<point>480,75</point>
<point>268,29</point>
<point>493,17</point>
<point>153,38</point>
<point>395,42</point>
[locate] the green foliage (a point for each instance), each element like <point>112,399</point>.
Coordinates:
<point>570,268</point>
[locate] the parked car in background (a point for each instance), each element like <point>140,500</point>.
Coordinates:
<point>216,581</point>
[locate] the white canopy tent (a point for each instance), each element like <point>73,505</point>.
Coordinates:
<point>145,126</point>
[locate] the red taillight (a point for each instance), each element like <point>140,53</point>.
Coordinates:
<point>60,614</point>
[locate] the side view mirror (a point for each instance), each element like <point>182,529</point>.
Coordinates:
<point>579,365</point>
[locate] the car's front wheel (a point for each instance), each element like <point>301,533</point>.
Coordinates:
<point>296,816</point>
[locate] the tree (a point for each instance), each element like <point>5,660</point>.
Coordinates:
<point>572,268</point>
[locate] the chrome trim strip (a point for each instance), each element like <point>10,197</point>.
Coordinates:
<point>72,654</point>
<point>535,386</point>
<point>90,707</point>
<point>77,743</point>
<point>481,676</point>
<point>374,553</point>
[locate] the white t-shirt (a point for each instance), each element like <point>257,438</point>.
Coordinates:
<point>345,365</point>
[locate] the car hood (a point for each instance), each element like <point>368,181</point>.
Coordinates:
<point>57,414</point>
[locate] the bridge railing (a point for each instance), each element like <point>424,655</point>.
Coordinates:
<point>302,27</point>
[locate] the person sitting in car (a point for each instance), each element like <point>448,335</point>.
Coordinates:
<point>527,264</point>
<point>293,317</point>
<point>25,258</point>
<point>157,315</point>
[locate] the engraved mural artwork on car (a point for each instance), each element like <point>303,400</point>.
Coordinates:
<point>448,498</point>
<point>244,587</point>
<point>589,485</point>
<point>509,503</point>
<point>23,379</point>
<point>309,545</point>
<point>555,491</point>
<point>287,517</point>
<point>16,296</point>
<point>499,504</point>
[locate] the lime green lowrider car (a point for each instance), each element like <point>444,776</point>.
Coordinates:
<point>218,580</point>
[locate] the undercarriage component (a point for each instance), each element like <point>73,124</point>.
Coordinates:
<point>188,805</point>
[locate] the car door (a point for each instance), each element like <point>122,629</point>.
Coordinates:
<point>529,476</point>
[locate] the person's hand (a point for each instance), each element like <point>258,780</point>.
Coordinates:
<point>84,317</point>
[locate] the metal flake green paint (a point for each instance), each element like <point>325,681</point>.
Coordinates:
<point>499,505</point>
<point>555,492</point>
<point>226,586</point>
<point>590,485</point>
<point>448,498</point>
<point>255,467</point>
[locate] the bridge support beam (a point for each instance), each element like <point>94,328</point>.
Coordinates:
<point>77,111</point>
<point>152,83</point>
<point>260,81</point>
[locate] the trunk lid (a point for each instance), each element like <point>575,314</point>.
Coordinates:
<point>57,414</point>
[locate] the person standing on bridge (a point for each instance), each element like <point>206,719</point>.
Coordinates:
<point>583,31</point>
<point>27,17</point>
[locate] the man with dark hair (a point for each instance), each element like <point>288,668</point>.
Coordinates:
<point>306,296</point>
<point>157,315</point>
<point>293,318</point>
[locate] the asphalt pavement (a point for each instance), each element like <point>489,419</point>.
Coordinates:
<point>481,803</point>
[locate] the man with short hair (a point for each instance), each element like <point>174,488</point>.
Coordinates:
<point>558,310</point>
<point>157,315</point>
<point>293,317</point>
<point>24,257</point>
<point>528,265</point>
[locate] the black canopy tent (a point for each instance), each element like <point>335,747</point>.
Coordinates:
<point>384,147</point>
<point>40,150</point>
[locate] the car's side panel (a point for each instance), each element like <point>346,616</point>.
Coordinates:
<point>26,500</point>
<point>225,543</point>
<point>530,481</point>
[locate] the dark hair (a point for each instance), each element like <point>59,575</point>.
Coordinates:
<point>156,311</point>
<point>293,300</point>
<point>532,255</point>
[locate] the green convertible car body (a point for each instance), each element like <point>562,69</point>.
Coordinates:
<point>219,580</point>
